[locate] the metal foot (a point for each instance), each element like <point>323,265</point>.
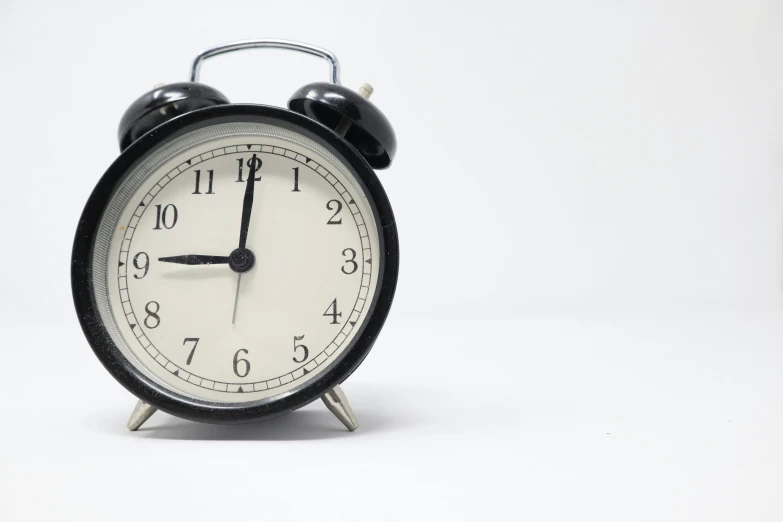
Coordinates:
<point>338,404</point>
<point>141,413</point>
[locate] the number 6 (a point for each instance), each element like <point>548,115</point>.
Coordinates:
<point>237,360</point>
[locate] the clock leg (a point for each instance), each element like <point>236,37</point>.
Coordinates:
<point>141,413</point>
<point>338,404</point>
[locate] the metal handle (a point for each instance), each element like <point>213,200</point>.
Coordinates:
<point>334,65</point>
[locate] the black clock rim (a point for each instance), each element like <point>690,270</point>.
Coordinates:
<point>164,398</point>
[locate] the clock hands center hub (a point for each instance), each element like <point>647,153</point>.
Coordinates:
<point>241,260</point>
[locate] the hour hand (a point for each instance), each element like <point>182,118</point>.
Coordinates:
<point>195,259</point>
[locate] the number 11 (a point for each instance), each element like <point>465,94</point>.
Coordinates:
<point>198,181</point>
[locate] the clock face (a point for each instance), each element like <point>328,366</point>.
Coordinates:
<point>222,315</point>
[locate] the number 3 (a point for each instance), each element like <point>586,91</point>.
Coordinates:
<point>350,262</point>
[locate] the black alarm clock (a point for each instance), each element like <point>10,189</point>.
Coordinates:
<point>238,261</point>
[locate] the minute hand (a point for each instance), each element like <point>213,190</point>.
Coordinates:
<point>247,202</point>
<point>195,259</point>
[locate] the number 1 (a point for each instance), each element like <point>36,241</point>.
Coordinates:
<point>296,180</point>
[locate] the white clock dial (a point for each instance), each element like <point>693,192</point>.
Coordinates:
<point>207,330</point>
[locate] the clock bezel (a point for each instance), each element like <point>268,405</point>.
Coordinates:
<point>165,398</point>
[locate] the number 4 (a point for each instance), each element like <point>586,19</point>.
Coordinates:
<point>334,314</point>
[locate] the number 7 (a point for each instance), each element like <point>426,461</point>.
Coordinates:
<point>193,340</point>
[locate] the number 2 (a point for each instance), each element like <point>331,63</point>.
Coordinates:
<point>329,206</point>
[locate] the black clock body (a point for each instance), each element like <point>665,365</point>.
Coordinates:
<point>165,398</point>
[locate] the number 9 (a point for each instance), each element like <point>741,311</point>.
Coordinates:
<point>144,267</point>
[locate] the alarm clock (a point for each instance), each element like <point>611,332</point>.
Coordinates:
<point>238,261</point>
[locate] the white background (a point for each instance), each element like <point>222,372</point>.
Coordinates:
<point>587,326</point>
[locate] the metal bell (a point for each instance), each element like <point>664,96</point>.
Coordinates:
<point>350,115</point>
<point>162,104</point>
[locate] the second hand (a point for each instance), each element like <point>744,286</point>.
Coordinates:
<point>236,299</point>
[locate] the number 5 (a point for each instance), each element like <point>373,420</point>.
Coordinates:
<point>303,347</point>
